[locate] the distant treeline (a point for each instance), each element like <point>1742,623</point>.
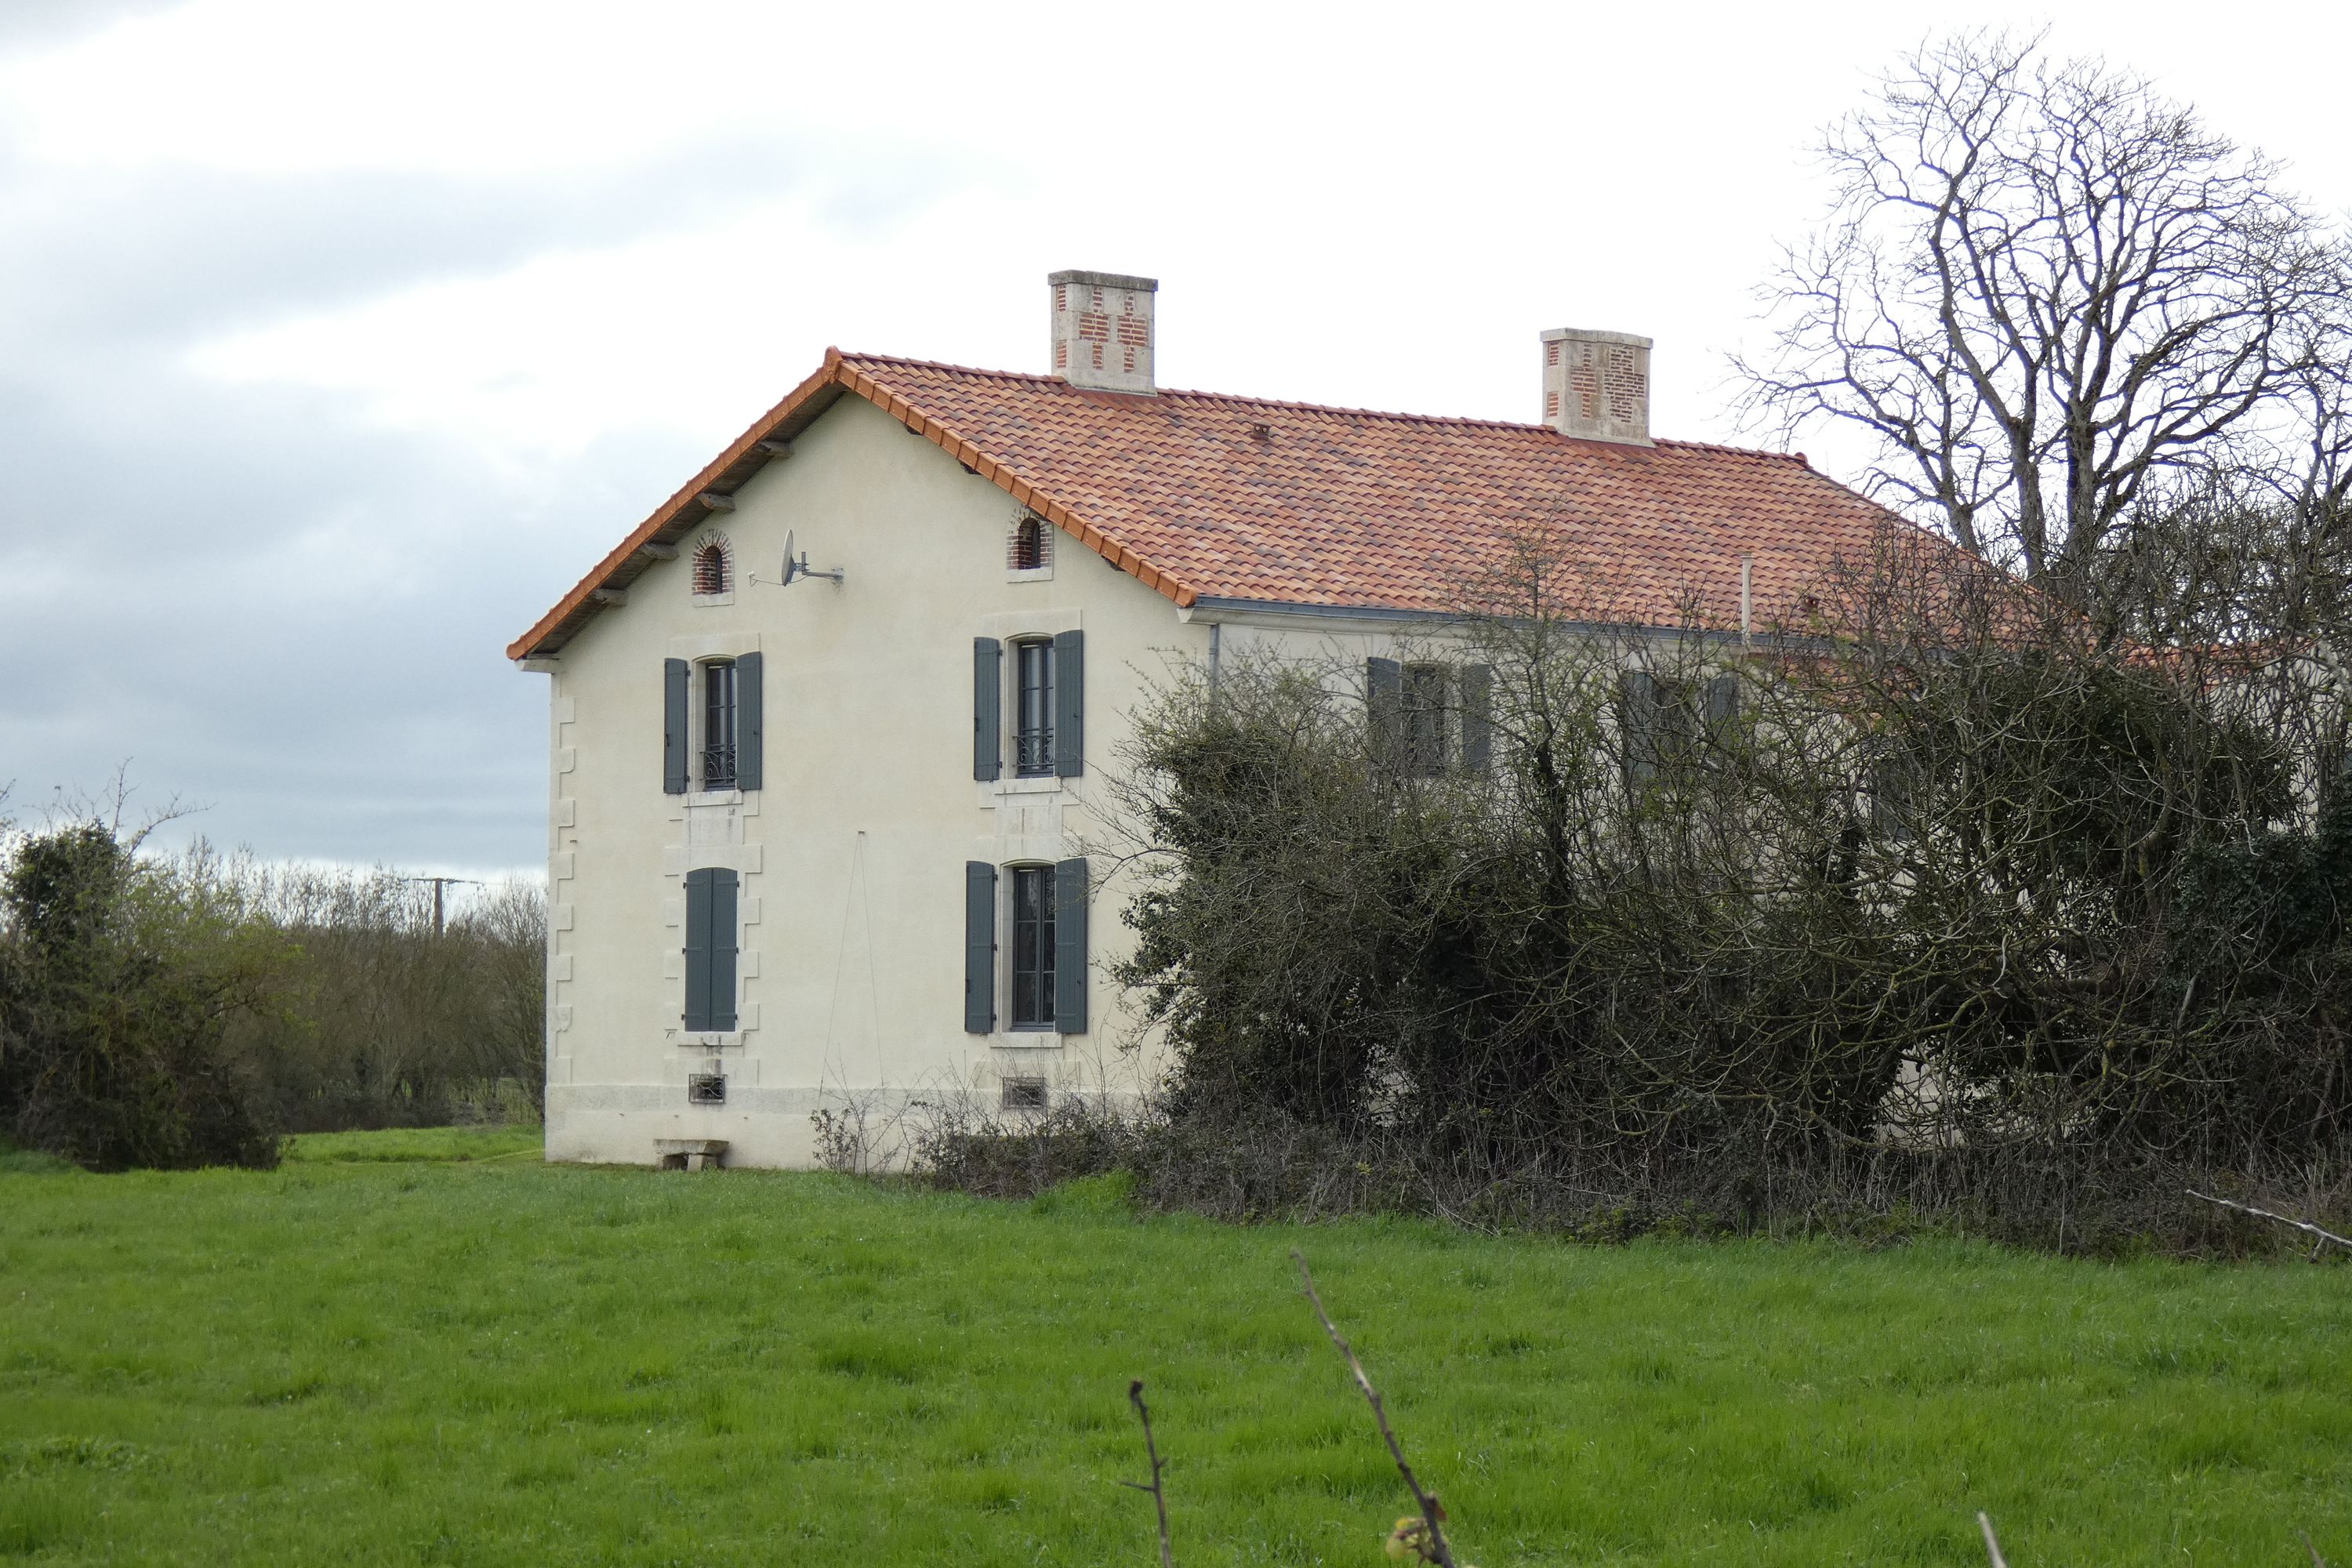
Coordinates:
<point>187,1009</point>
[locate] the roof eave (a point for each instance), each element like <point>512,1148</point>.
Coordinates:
<point>684,511</point>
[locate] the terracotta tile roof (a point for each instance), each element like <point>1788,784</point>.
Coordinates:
<point>1204,496</point>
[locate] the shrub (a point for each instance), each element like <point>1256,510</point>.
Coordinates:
<point>119,984</point>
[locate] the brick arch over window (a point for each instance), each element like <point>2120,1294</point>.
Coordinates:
<point>1030,547</point>
<point>714,566</point>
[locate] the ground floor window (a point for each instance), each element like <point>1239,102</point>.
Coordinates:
<point>1032,947</point>
<point>710,950</point>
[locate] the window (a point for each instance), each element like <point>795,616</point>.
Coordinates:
<point>705,1088</point>
<point>1898,789</point>
<point>710,950</point>
<point>1027,550</point>
<point>1424,751</point>
<point>711,568</point>
<point>1032,708</point>
<point>1675,726</point>
<point>719,713</point>
<point>1428,720</point>
<point>711,728</point>
<point>1042,972</point>
<point>1022,1094</point>
<point>1032,947</point>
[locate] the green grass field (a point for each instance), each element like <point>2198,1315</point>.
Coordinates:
<point>430,1348</point>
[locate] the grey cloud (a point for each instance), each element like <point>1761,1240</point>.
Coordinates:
<point>257,599</point>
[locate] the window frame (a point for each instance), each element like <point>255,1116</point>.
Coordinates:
<point>713,772</point>
<point>1033,744</point>
<point>1041,927</point>
<point>1425,739</point>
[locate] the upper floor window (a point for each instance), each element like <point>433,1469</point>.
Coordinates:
<point>711,727</point>
<point>1672,725</point>
<point>1423,752</point>
<point>713,572</point>
<point>1030,691</point>
<point>719,724</point>
<point>1430,720</point>
<point>1033,732</point>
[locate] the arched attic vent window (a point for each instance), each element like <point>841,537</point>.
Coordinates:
<point>1028,550</point>
<point>714,569</point>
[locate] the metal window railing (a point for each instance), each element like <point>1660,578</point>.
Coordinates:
<point>718,767</point>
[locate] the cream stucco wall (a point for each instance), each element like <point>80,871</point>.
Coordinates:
<point>852,854</point>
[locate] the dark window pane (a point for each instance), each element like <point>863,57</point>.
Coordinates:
<point>719,725</point>
<point>1032,947</point>
<point>1424,720</point>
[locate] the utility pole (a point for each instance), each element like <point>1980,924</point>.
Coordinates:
<point>440,884</point>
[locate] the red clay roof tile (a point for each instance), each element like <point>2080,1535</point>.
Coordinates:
<point>1206,496</point>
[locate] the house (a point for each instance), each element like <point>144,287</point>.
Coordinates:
<point>830,731</point>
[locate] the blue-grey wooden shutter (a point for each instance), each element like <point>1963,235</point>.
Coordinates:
<point>979,947</point>
<point>1069,704</point>
<point>698,927</point>
<point>723,889</point>
<point>987,714</point>
<point>748,731</point>
<point>674,674</point>
<point>1384,703</point>
<point>1637,719</point>
<point>1477,717</point>
<point>1070,947</point>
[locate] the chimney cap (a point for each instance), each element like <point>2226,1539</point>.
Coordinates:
<point>1104,280</point>
<point>1594,335</point>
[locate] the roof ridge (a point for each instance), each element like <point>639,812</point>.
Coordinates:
<point>1468,421</point>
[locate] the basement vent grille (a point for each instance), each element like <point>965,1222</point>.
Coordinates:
<point>1024,1094</point>
<point>706,1089</point>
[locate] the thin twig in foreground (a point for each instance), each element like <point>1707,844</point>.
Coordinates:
<point>1151,1451</point>
<point>1432,1512</point>
<point>2303,1226</point>
<point>1992,1541</point>
<point>2316,1560</point>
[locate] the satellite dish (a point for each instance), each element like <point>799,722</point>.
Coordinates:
<point>796,566</point>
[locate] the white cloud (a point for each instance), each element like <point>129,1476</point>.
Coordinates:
<point>1352,204</point>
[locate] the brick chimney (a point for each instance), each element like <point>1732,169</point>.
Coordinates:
<point>1596,385</point>
<point>1102,331</point>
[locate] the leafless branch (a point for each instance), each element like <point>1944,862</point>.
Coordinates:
<point>1433,1513</point>
<point>1992,1541</point>
<point>1151,1451</point>
<point>2302,1226</point>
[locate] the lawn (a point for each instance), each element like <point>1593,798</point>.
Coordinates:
<point>431,1348</point>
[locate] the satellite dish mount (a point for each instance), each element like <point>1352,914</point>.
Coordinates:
<point>797,567</point>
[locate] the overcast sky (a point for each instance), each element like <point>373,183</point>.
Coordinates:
<point>337,341</point>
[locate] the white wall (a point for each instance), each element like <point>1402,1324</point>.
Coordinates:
<point>853,853</point>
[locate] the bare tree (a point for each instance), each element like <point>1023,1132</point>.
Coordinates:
<point>2051,293</point>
